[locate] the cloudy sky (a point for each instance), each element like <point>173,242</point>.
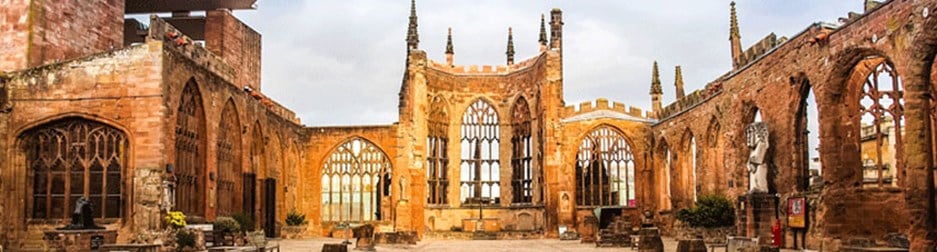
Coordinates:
<point>340,62</point>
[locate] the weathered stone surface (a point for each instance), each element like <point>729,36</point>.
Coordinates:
<point>66,61</point>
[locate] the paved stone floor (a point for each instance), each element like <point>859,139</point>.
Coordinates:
<point>468,245</point>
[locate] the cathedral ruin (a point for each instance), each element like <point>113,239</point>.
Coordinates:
<point>144,118</point>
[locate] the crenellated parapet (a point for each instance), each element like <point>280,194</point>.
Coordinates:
<point>602,104</point>
<point>690,101</point>
<point>487,69</point>
<point>759,49</point>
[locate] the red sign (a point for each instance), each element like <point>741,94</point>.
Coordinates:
<point>797,212</point>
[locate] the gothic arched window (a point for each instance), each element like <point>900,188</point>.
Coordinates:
<point>356,178</point>
<point>190,152</point>
<point>73,158</point>
<point>480,166</point>
<point>881,110</point>
<point>437,161</point>
<point>605,170</point>
<point>522,176</point>
<point>229,162</point>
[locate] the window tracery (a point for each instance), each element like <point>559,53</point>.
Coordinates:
<point>522,176</point>
<point>229,162</point>
<point>480,165</point>
<point>437,160</point>
<point>74,158</point>
<point>190,152</point>
<point>881,108</point>
<point>356,183</point>
<point>605,170</point>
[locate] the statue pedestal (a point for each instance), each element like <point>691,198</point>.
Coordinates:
<point>79,240</point>
<point>402,219</point>
<point>365,237</point>
<point>756,213</point>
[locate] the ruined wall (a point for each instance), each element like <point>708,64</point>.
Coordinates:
<point>322,142</point>
<point>577,123</point>
<point>108,88</point>
<point>37,32</point>
<point>137,90</point>
<point>773,84</point>
<point>15,27</point>
<point>457,87</point>
<point>282,135</point>
<point>236,43</point>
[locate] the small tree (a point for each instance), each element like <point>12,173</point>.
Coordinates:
<point>185,239</point>
<point>294,218</point>
<point>245,220</point>
<point>226,225</point>
<point>711,211</point>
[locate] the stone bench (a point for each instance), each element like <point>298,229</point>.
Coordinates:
<point>233,248</point>
<point>130,248</point>
<point>880,249</point>
<point>334,247</point>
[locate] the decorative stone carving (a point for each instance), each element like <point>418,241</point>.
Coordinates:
<point>757,136</point>
<point>403,188</point>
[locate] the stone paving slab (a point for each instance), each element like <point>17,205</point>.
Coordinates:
<point>468,245</point>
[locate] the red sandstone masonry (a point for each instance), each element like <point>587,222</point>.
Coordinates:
<point>34,34</point>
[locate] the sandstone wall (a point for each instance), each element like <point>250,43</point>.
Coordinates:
<point>822,58</point>
<point>108,88</point>
<point>322,142</point>
<point>37,32</point>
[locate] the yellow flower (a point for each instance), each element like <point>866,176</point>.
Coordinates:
<point>175,219</point>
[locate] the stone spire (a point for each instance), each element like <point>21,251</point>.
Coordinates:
<point>543,33</point>
<point>734,37</point>
<point>449,51</point>
<point>510,51</point>
<point>679,83</point>
<point>413,38</point>
<point>655,81</point>
<point>656,91</point>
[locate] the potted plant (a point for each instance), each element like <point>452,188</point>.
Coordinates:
<point>295,225</point>
<point>185,240</point>
<point>249,234</point>
<point>225,229</point>
<point>711,220</point>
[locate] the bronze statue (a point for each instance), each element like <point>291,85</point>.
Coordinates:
<point>82,216</point>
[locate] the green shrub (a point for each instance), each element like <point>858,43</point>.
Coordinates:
<point>711,211</point>
<point>245,220</point>
<point>185,238</point>
<point>226,225</point>
<point>294,218</point>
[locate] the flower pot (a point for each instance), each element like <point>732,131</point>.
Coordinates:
<point>292,232</point>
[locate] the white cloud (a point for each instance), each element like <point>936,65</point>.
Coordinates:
<point>340,62</point>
